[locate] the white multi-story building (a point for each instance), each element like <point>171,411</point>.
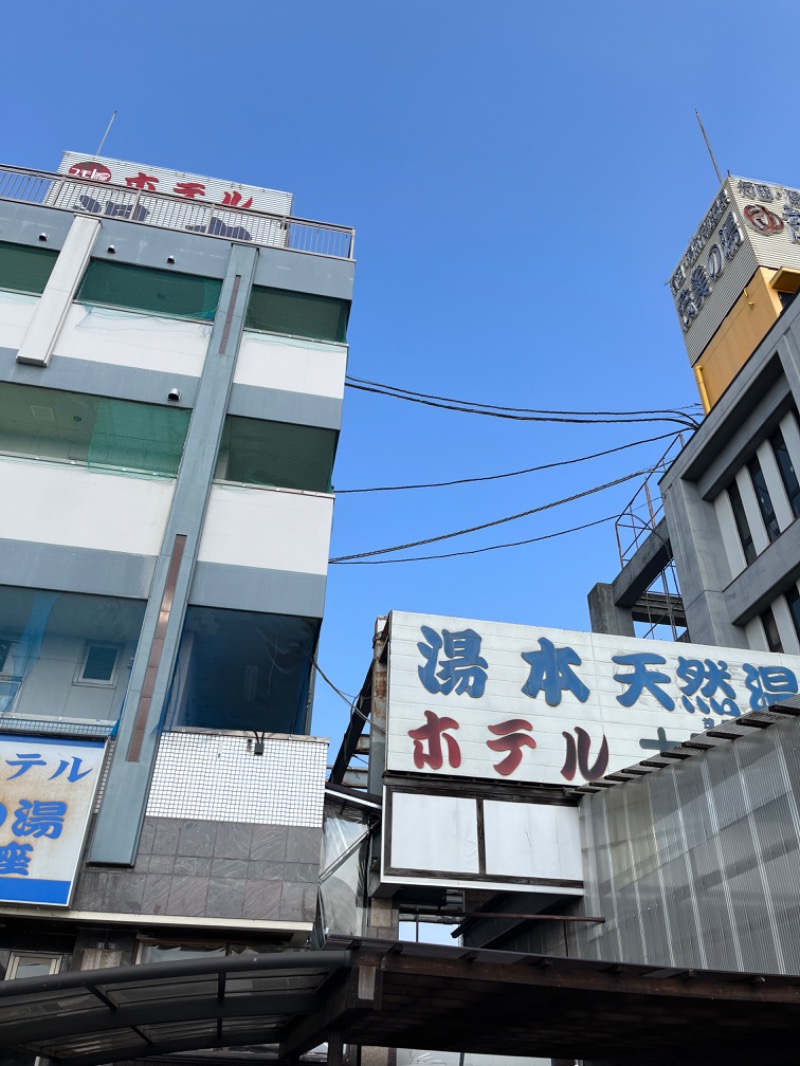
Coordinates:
<point>172,360</point>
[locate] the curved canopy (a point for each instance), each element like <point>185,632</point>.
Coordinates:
<point>398,994</point>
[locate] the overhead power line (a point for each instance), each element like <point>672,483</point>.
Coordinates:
<point>511,473</point>
<point>474,551</point>
<point>523,414</point>
<point>351,702</point>
<point>494,522</point>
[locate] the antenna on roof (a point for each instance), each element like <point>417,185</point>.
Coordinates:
<point>111,123</point>
<point>705,138</point>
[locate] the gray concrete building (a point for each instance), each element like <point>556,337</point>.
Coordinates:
<point>730,499</point>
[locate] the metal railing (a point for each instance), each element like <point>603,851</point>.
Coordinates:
<point>635,524</point>
<point>162,210</point>
<point>641,516</point>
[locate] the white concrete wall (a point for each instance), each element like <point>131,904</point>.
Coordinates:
<point>275,529</point>
<point>51,689</point>
<point>16,313</point>
<point>128,338</point>
<point>291,365</point>
<point>57,503</point>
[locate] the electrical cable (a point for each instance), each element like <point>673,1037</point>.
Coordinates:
<point>512,473</point>
<point>350,703</point>
<point>522,410</point>
<point>521,415</point>
<point>686,421</point>
<point>494,522</point>
<point>477,551</point>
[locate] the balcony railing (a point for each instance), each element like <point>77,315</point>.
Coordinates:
<point>106,200</point>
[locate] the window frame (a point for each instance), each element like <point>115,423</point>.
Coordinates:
<point>17,957</point>
<point>80,669</point>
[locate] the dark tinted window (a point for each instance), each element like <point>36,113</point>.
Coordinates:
<point>786,467</point>
<point>24,269</point>
<point>764,500</point>
<point>793,599</point>
<point>774,642</point>
<point>322,318</point>
<point>276,453</point>
<point>160,292</point>
<point>242,670</point>
<point>742,526</point>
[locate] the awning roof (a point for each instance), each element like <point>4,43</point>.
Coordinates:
<point>100,1016</point>
<point>399,994</point>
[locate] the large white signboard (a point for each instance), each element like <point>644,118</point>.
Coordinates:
<point>47,788</point>
<point>470,841</point>
<point>521,703</point>
<point>113,188</point>
<point>192,187</point>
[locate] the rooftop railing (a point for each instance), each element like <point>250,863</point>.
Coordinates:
<point>104,199</point>
<point>641,516</point>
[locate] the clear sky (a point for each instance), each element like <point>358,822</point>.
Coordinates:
<point>522,176</point>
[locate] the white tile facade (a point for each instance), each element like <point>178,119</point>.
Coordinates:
<point>218,778</point>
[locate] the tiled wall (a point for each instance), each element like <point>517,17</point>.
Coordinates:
<point>228,834</point>
<point>208,869</point>
<point>216,776</point>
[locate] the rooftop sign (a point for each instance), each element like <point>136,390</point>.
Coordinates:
<point>172,199</point>
<point>520,703</point>
<point>192,187</point>
<point>750,224</point>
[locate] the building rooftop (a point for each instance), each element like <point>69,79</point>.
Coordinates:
<point>140,203</point>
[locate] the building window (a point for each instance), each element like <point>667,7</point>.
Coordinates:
<point>106,434</point>
<point>742,526</point>
<point>159,292</point>
<point>787,471</point>
<point>774,642</point>
<point>175,950</point>
<point>793,599</point>
<point>242,670</point>
<point>24,269</point>
<point>99,665</point>
<point>31,964</point>
<point>764,500</point>
<point>299,314</point>
<point>255,452</point>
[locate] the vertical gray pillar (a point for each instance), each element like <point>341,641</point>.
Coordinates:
<point>605,616</point>
<point>789,354</point>
<point>119,822</point>
<point>56,300</point>
<point>702,564</point>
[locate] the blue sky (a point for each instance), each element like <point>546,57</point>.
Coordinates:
<point>522,177</point>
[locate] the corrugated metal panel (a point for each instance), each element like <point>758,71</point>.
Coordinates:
<point>727,290</point>
<point>696,865</point>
